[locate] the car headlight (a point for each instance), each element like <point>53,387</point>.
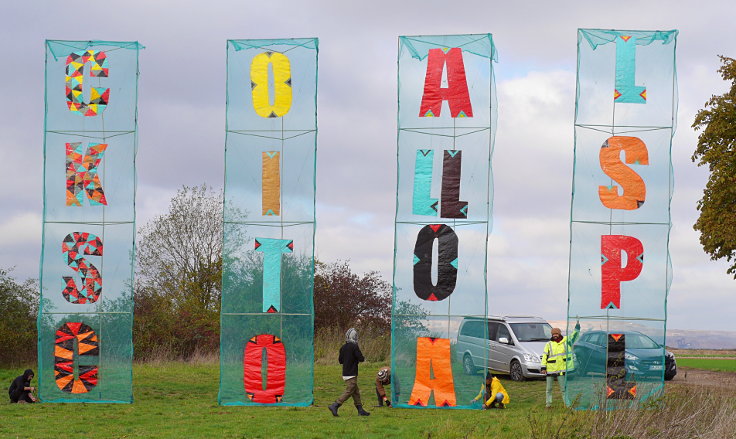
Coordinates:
<point>631,357</point>
<point>528,358</point>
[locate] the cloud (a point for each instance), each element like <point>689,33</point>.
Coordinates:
<point>21,238</point>
<point>182,100</point>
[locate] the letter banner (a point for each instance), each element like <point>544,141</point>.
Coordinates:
<point>620,270</point>
<point>267,315</point>
<point>85,316</point>
<point>446,129</point>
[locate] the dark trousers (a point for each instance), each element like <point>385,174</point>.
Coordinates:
<point>22,395</point>
<point>351,389</point>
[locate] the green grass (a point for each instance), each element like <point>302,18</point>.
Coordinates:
<point>178,400</point>
<point>720,365</point>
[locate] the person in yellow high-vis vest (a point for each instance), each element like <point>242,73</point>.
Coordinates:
<point>557,360</point>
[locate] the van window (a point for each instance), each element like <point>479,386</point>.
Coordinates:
<point>503,332</point>
<point>532,331</point>
<point>492,329</point>
<point>473,328</point>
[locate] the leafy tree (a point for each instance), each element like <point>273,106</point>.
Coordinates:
<point>179,276</point>
<point>717,149</point>
<point>18,307</point>
<point>343,298</point>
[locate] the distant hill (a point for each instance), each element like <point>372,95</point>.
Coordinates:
<point>682,338</point>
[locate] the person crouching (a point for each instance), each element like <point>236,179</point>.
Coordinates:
<point>21,390</point>
<point>493,393</point>
<point>383,378</point>
<point>350,356</point>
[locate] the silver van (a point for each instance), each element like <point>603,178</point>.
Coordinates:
<point>512,344</point>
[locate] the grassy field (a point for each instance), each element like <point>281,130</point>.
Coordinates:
<point>704,353</point>
<point>717,364</point>
<point>179,400</point>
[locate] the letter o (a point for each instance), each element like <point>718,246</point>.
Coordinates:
<point>281,82</point>
<point>446,264</point>
<point>88,344</point>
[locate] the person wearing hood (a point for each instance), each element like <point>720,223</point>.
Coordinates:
<point>20,389</point>
<point>493,393</point>
<point>558,360</point>
<point>350,356</point>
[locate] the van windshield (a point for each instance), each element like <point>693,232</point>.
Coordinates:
<point>532,331</point>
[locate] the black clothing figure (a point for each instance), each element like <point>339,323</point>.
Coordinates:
<point>20,388</point>
<point>350,356</point>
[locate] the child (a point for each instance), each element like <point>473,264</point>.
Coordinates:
<point>493,393</point>
<point>383,378</point>
<point>350,356</point>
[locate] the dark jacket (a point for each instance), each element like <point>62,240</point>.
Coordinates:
<point>350,356</point>
<point>16,390</point>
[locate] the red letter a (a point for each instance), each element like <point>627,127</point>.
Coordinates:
<point>456,94</point>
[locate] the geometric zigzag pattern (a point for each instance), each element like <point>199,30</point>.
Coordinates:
<point>81,174</point>
<point>73,246</point>
<point>87,344</point>
<point>99,97</point>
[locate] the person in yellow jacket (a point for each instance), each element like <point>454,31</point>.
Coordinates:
<point>492,393</point>
<point>557,360</point>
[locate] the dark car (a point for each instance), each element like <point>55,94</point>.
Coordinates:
<point>643,356</point>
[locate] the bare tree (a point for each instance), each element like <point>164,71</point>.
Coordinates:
<point>180,252</point>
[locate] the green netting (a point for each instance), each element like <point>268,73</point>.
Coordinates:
<point>446,127</point>
<point>85,318</point>
<point>620,270</point>
<point>267,318</point>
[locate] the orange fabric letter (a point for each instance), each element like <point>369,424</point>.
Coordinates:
<point>271,184</point>
<point>634,189</point>
<point>433,356</point>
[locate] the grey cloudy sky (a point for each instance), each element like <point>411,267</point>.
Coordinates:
<point>182,109</point>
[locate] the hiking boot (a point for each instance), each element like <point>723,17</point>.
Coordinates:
<point>333,408</point>
<point>361,412</point>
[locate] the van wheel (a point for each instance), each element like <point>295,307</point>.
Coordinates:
<point>517,374</point>
<point>468,365</point>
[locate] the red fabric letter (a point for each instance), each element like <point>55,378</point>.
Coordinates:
<point>276,372</point>
<point>612,273</point>
<point>456,94</point>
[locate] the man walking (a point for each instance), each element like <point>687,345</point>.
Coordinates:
<point>350,356</point>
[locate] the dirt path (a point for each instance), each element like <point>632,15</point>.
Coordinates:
<point>708,378</point>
